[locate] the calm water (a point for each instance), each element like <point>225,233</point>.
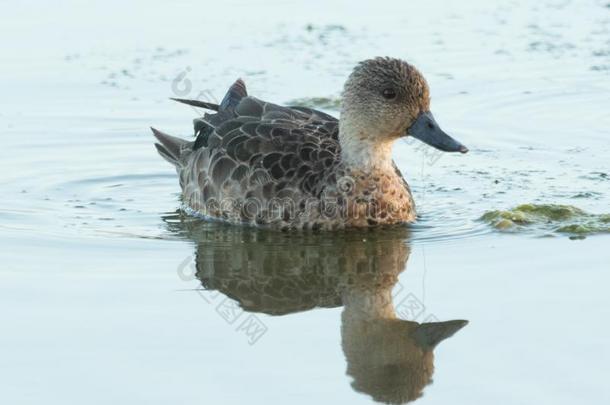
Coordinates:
<point>110,294</point>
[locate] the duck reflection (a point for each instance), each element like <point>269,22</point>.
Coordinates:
<point>276,273</point>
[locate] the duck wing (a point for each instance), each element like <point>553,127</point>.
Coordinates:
<point>250,148</point>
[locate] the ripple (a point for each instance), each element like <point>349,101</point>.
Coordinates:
<point>106,206</point>
<point>444,224</point>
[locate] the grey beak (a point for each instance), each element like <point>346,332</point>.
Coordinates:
<point>428,335</point>
<point>427,130</point>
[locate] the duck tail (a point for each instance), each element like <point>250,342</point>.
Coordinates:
<point>236,92</point>
<point>169,147</point>
<point>197,103</point>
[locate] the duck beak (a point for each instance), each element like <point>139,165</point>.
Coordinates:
<point>427,130</point>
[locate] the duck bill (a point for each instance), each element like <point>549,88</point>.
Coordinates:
<point>428,131</point>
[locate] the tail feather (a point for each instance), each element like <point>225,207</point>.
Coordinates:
<point>197,103</point>
<point>170,147</point>
<point>236,92</point>
<point>165,154</point>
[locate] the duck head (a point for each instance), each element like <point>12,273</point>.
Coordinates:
<point>385,99</point>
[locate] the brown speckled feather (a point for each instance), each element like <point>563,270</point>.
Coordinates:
<point>260,163</point>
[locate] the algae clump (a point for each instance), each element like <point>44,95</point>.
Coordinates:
<point>564,219</point>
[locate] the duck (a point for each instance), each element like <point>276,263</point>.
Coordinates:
<point>261,164</point>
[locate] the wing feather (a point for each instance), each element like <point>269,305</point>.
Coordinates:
<point>252,148</point>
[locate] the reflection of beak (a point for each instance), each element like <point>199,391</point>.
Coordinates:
<point>428,335</point>
<point>427,130</point>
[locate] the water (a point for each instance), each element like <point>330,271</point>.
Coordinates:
<point>110,294</point>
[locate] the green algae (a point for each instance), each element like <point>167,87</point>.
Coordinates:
<point>325,103</point>
<point>555,218</point>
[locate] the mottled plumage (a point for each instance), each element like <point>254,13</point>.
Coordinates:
<point>259,163</point>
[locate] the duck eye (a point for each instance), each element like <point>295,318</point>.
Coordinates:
<point>389,93</point>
